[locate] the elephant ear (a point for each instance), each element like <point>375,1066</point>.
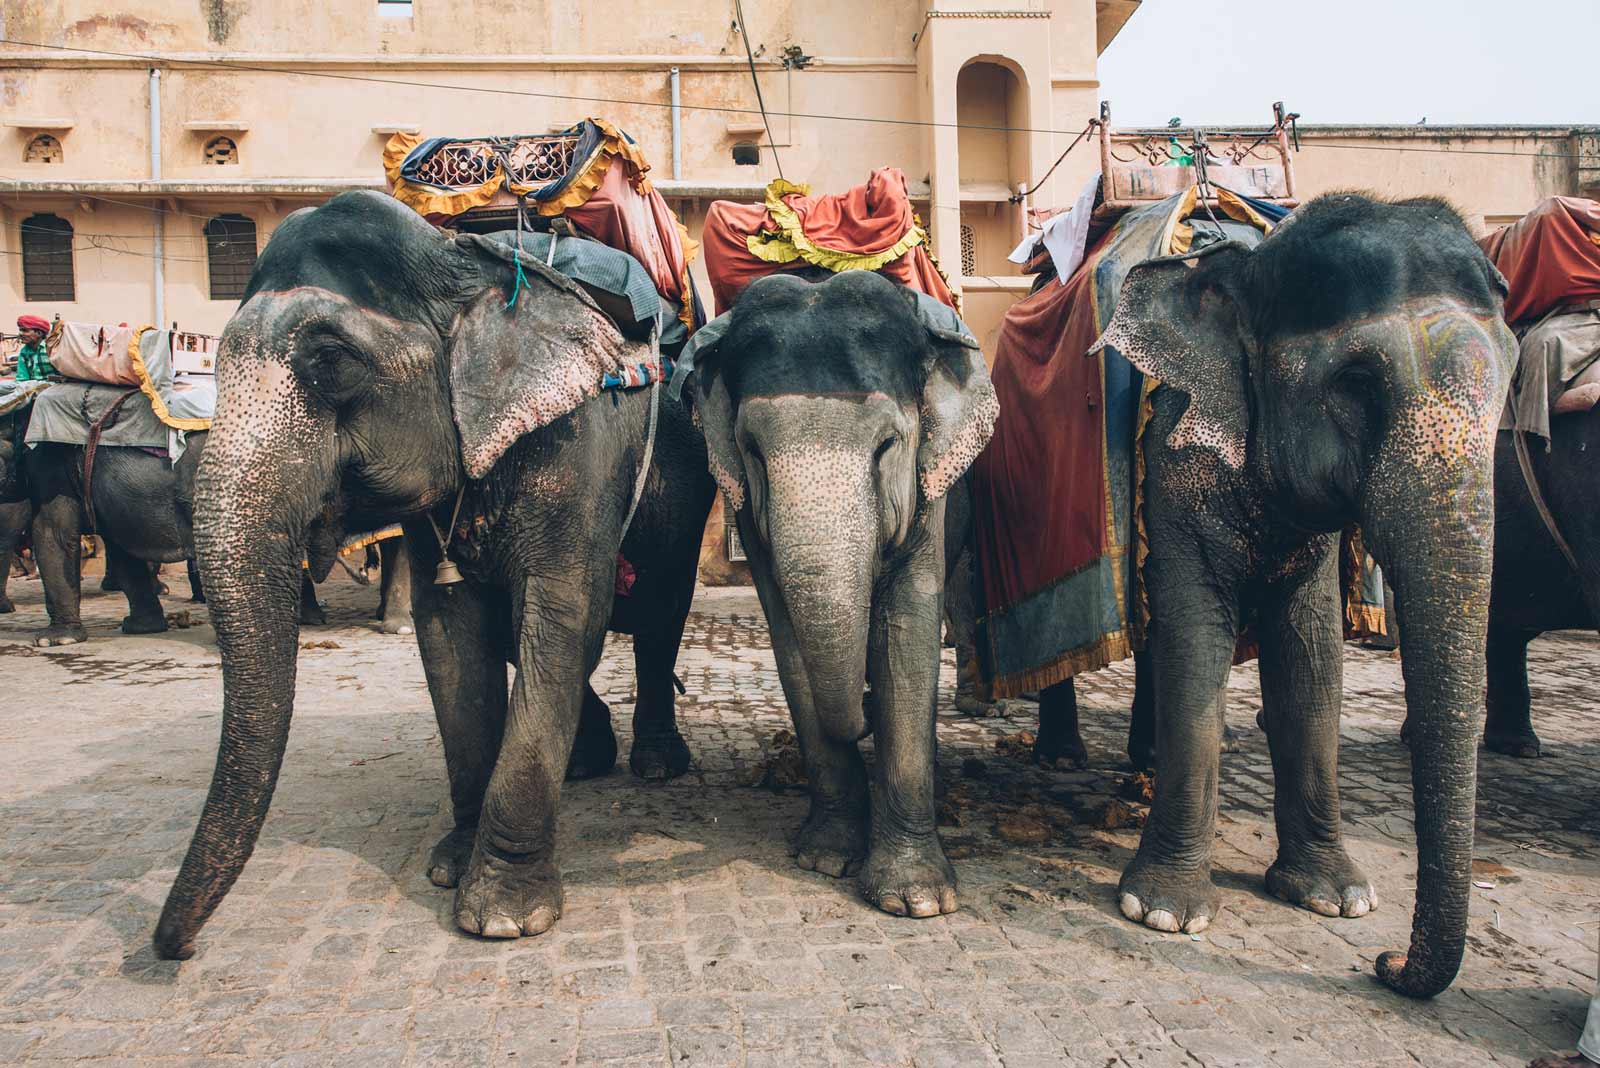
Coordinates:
<point>699,367</point>
<point>528,349</point>
<point>958,404</point>
<point>1182,321</point>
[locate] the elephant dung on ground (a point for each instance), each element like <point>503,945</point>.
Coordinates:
<point>837,414</point>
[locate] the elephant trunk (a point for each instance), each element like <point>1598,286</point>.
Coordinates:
<point>823,550</point>
<point>256,490</point>
<point>1435,542</point>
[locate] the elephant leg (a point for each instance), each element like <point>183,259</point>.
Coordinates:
<point>1142,717</point>
<point>14,516</point>
<point>394,590</point>
<point>1509,728</point>
<point>1059,738</point>
<point>659,751</point>
<point>110,580</point>
<point>512,885</point>
<point>1167,886</point>
<point>197,589</point>
<point>311,613</point>
<point>1302,679</point>
<point>467,683</point>
<point>833,839</point>
<point>58,551</point>
<point>594,750</point>
<point>906,871</point>
<point>140,585</point>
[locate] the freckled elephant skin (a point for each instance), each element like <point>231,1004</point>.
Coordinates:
<point>373,362</point>
<point>836,420</point>
<point>1349,369</point>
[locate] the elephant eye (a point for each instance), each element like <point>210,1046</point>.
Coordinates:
<point>884,447</point>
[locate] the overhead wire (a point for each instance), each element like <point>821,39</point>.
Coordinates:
<point>744,35</point>
<point>221,64</point>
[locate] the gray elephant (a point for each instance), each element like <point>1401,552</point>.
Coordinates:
<point>1535,589</point>
<point>378,369</point>
<point>143,513</point>
<point>837,414</point>
<point>1351,368</point>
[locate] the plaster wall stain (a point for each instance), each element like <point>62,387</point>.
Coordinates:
<point>221,16</point>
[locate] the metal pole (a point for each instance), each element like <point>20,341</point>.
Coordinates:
<point>677,129</point>
<point>158,217</point>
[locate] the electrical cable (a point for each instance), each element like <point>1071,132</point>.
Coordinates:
<point>744,35</point>
<point>218,64</point>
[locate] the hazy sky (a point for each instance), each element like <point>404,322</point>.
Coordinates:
<point>1353,61</point>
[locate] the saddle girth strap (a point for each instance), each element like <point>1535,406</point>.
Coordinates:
<point>1526,463</point>
<point>106,419</point>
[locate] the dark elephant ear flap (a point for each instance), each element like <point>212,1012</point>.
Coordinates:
<point>526,351</point>
<point>959,406</point>
<point>1181,321</point>
<point>700,363</point>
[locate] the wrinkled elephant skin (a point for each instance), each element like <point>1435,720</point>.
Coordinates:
<point>379,370</point>
<point>1348,370</point>
<point>836,419</point>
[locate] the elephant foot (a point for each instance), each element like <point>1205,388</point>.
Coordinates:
<point>970,704</point>
<point>594,751</point>
<point>1167,898</point>
<point>311,613</point>
<point>110,584</point>
<point>197,598</point>
<point>451,856</point>
<point>659,755</point>
<point>1329,884</point>
<point>1523,744</point>
<point>399,625</point>
<point>61,634</point>
<point>832,843</point>
<point>155,624</point>
<point>1056,752</point>
<point>499,899</point>
<point>1230,740</point>
<point>913,880</point>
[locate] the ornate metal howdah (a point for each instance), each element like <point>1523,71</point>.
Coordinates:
<point>532,161</point>
<point>1140,167</point>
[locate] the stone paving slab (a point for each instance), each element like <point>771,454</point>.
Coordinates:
<point>690,938</point>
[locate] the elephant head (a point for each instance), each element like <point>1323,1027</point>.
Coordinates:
<point>374,364</point>
<point>838,413</point>
<point>1353,367</point>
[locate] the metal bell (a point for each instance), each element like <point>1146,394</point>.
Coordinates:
<point>447,574</point>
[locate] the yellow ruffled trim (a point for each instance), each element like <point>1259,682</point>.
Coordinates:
<point>158,404</point>
<point>790,242</point>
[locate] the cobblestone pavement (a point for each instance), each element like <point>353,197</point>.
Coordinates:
<point>690,938</point>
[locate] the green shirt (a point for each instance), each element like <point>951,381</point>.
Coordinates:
<point>33,363</point>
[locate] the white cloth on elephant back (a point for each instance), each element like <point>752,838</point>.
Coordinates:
<point>59,418</point>
<point>1556,350</point>
<point>14,395</point>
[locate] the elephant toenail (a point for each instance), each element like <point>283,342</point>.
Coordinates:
<point>1161,920</point>
<point>1132,908</point>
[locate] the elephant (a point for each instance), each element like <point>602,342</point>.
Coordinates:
<point>379,369</point>
<point>143,512</point>
<point>837,414</point>
<point>1349,369</point>
<point>1534,589</point>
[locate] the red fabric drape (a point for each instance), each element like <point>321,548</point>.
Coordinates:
<point>1550,257</point>
<point>865,220</point>
<point>639,224</point>
<point>1050,434</point>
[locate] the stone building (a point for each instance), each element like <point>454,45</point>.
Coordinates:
<point>147,155</point>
